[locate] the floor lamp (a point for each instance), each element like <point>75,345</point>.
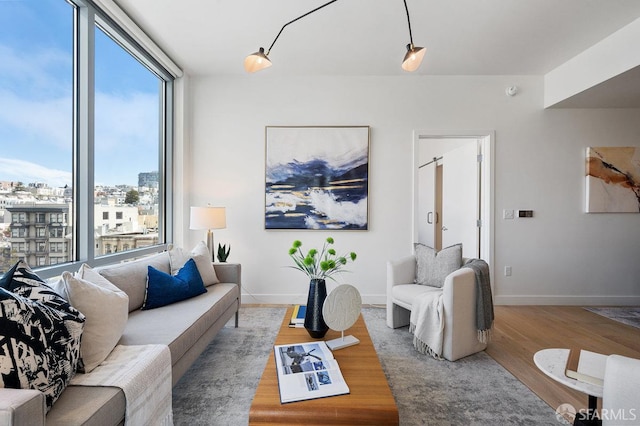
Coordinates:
<point>208,218</point>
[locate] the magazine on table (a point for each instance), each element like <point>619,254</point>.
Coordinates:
<point>307,371</point>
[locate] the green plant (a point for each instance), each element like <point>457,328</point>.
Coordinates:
<point>223,253</point>
<point>319,265</point>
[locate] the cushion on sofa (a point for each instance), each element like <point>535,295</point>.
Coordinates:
<point>88,405</point>
<point>41,332</point>
<point>200,254</point>
<point>432,266</point>
<point>406,294</point>
<point>106,309</point>
<point>164,289</point>
<point>181,324</point>
<point>131,277</point>
<point>21,280</point>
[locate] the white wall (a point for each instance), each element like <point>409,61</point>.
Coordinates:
<point>561,255</point>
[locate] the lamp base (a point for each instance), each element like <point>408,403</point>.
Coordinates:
<point>342,342</point>
<point>210,246</point>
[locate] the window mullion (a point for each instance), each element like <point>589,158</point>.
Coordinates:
<point>165,228</point>
<point>84,178</point>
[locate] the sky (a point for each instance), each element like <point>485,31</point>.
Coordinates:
<point>36,83</point>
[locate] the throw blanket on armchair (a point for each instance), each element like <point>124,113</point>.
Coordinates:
<point>143,372</point>
<point>484,299</point>
<point>427,323</point>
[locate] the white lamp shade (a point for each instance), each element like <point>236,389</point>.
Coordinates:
<point>208,218</point>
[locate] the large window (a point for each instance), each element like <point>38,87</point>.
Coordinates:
<point>127,127</point>
<point>86,112</point>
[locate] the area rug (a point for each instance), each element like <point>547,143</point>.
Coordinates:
<point>476,390</point>
<point>629,315</point>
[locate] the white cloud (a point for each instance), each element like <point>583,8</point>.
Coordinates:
<point>28,172</point>
<point>49,121</point>
<point>42,72</point>
<point>36,108</point>
<point>127,122</point>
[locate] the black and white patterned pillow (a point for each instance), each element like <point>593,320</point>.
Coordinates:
<point>39,335</point>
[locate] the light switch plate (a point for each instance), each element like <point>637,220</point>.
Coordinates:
<point>507,214</point>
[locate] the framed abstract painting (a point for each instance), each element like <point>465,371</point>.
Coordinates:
<point>613,180</point>
<point>317,177</point>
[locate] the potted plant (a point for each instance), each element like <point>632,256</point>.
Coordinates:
<point>318,265</point>
<point>223,252</point>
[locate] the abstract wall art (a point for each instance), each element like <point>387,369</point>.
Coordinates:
<point>613,180</point>
<point>316,177</point>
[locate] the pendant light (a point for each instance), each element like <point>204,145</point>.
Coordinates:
<point>414,56</point>
<point>260,60</point>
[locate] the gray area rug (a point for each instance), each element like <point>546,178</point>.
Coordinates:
<point>219,387</point>
<point>629,315</point>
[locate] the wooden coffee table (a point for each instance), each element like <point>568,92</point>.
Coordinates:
<point>370,401</point>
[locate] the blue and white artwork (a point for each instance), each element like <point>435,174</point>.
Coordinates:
<point>317,178</point>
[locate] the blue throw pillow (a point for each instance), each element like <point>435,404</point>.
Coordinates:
<point>164,289</point>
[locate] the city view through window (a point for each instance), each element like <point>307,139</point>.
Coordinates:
<point>39,157</point>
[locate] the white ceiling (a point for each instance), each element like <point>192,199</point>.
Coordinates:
<point>368,37</point>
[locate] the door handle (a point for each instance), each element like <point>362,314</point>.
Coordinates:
<point>444,228</point>
<point>430,218</point>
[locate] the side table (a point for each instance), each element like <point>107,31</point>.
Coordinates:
<point>553,362</point>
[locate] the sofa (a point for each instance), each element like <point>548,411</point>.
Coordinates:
<point>620,390</point>
<point>185,326</point>
<point>458,288</point>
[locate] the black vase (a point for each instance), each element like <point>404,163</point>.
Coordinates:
<point>313,321</point>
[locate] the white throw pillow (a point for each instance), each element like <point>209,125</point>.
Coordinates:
<point>432,266</point>
<point>200,254</point>
<point>106,309</point>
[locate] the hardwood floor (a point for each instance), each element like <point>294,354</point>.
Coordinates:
<point>520,331</point>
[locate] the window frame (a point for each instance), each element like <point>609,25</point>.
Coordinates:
<point>87,17</point>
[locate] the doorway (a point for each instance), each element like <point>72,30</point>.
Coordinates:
<point>453,192</point>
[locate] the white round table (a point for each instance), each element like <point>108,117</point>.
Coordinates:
<point>553,362</point>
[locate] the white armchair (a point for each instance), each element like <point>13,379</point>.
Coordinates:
<point>620,401</point>
<point>459,297</point>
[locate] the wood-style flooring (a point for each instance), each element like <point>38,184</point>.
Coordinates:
<point>521,331</point>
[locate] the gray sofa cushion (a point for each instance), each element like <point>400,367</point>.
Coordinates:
<point>180,324</point>
<point>88,405</point>
<point>131,277</point>
<point>432,266</point>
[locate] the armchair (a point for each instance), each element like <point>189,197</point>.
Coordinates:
<point>620,403</point>
<point>459,298</point>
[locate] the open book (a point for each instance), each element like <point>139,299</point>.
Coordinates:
<point>586,366</point>
<point>307,371</point>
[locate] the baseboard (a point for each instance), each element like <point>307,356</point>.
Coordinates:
<point>381,299</point>
<point>291,299</point>
<point>569,300</point>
